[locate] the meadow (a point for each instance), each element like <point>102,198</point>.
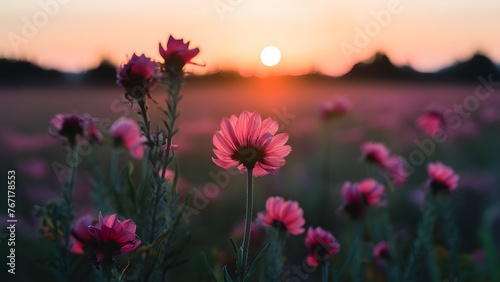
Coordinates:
<point>325,154</point>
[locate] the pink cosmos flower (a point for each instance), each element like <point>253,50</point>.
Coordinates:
<point>442,178</point>
<point>247,142</point>
<point>336,107</point>
<point>113,237</point>
<point>321,244</point>
<point>80,234</point>
<point>376,153</point>
<point>359,196</point>
<point>177,54</point>
<point>431,121</point>
<point>126,132</point>
<point>138,76</point>
<point>74,127</point>
<point>286,215</point>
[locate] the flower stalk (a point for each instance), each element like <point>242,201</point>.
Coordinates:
<point>248,225</point>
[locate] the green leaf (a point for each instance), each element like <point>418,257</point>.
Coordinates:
<point>488,242</point>
<point>253,267</point>
<point>227,277</point>
<point>208,268</point>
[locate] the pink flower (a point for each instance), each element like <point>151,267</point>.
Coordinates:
<point>138,76</point>
<point>376,153</point>
<point>247,142</point>
<point>442,178</point>
<point>286,215</point>
<point>381,250</point>
<point>126,132</point>
<point>177,54</point>
<point>336,107</point>
<point>113,237</point>
<point>431,121</point>
<point>80,234</point>
<point>359,196</point>
<point>394,165</point>
<point>321,244</point>
<point>74,127</point>
<point>381,253</point>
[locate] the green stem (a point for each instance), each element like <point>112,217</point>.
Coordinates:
<point>68,199</point>
<point>452,236</point>
<point>356,269</point>
<point>248,225</point>
<point>424,234</point>
<point>144,114</point>
<point>326,267</point>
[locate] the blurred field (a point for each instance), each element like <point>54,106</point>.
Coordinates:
<point>381,112</point>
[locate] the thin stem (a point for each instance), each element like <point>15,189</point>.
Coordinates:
<point>248,224</point>
<point>68,199</point>
<point>144,114</point>
<point>356,269</point>
<point>326,268</point>
<point>452,237</point>
<point>424,234</point>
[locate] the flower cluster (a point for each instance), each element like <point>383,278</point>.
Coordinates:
<point>359,196</point>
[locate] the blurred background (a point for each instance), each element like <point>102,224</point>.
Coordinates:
<point>392,60</point>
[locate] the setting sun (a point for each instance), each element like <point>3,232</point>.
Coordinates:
<point>270,56</point>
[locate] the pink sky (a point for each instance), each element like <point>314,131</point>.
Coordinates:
<point>323,35</point>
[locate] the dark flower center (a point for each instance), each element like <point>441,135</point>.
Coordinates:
<point>355,210</point>
<point>174,64</point>
<point>278,224</point>
<point>72,126</point>
<point>320,252</point>
<point>438,186</point>
<point>249,156</point>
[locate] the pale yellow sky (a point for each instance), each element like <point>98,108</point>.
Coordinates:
<point>329,36</point>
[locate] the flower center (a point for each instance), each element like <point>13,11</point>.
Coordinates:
<point>438,186</point>
<point>249,156</point>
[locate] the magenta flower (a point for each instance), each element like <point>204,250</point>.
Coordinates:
<point>286,215</point>
<point>247,142</point>
<point>138,76</point>
<point>381,250</point>
<point>376,153</point>
<point>336,107</point>
<point>321,245</point>
<point>177,54</point>
<point>442,178</point>
<point>74,127</point>
<point>126,132</point>
<point>81,236</point>
<point>431,121</point>
<point>113,237</point>
<point>359,196</point>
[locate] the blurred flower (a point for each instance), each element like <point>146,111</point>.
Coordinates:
<point>394,166</point>
<point>334,108</point>
<point>359,196</point>
<point>286,215</point>
<point>321,244</point>
<point>442,178</point>
<point>381,253</point>
<point>126,132</point>
<point>373,152</point>
<point>431,121</point>
<point>381,250</point>
<point>138,76</point>
<point>113,237</point>
<point>255,229</point>
<point>74,126</point>
<point>247,142</point>
<point>177,54</point>
<point>80,234</point>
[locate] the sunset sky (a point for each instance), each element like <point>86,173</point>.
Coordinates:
<point>321,35</point>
